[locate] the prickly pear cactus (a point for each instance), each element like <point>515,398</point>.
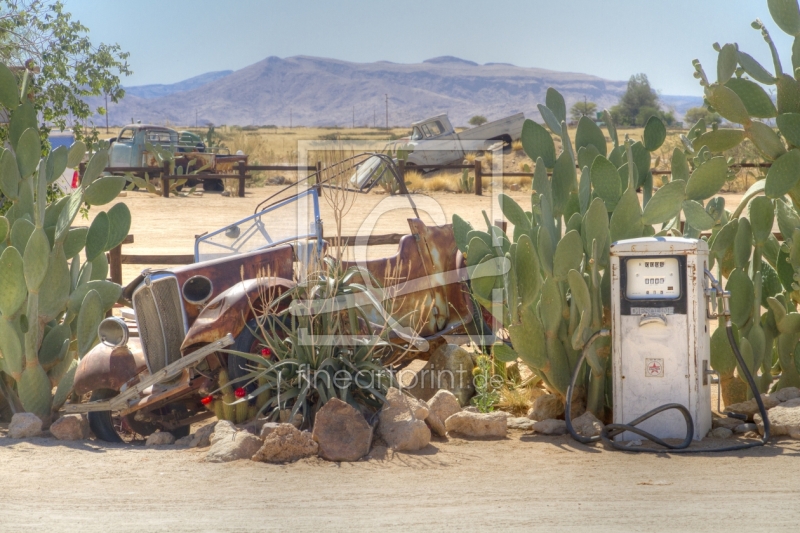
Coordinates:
<point>546,283</point>
<point>762,274</point>
<point>53,291</point>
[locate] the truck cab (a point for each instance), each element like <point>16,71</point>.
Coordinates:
<point>129,148</point>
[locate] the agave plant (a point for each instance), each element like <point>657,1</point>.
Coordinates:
<point>53,288</point>
<point>315,343</point>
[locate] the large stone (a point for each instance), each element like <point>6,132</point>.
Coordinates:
<point>478,424</point>
<point>199,439</point>
<point>750,407</point>
<point>449,368</point>
<point>402,422</point>
<point>223,430</point>
<point>286,444</point>
<point>550,426</point>
<point>70,427</point>
<point>227,446</point>
<point>784,395</point>
<point>24,425</point>
<point>520,422</point>
<point>587,425</point>
<point>268,428</point>
<point>721,433</point>
<point>546,407</point>
<point>743,429</point>
<point>160,438</point>
<point>782,421</point>
<point>341,432</point>
<point>442,406</point>
<point>725,422</point>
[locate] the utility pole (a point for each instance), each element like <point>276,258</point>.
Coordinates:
<point>387,111</point>
<point>354,117</point>
<point>106,112</point>
<point>195,117</point>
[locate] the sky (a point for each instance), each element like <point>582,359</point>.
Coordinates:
<point>172,40</point>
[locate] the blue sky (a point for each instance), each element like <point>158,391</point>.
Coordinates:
<point>171,40</point>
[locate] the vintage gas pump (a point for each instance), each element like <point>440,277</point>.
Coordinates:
<point>662,298</point>
<point>660,334</point>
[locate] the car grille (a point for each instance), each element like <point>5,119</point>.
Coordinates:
<point>159,316</point>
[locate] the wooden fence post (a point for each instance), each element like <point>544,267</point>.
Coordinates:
<point>242,175</point>
<point>478,178</point>
<point>165,180</point>
<point>317,184</point>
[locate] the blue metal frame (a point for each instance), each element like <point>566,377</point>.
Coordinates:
<point>259,226</point>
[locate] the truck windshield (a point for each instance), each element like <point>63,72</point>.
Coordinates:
<point>432,129</point>
<point>416,134</point>
<point>125,135</point>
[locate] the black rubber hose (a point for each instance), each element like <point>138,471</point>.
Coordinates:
<point>611,430</point>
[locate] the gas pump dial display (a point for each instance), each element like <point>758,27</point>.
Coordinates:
<point>653,278</point>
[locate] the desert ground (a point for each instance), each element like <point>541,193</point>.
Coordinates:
<point>522,482</point>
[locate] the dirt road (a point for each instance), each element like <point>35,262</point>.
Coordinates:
<point>524,482</point>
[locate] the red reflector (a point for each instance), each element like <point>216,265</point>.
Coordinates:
<point>75,180</point>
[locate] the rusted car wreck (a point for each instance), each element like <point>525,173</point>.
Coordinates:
<point>187,316</point>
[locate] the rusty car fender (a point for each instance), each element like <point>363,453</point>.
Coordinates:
<point>106,367</point>
<point>229,311</point>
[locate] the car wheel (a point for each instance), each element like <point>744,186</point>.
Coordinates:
<point>109,427</point>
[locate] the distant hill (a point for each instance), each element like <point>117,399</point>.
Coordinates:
<point>328,92</point>
<point>157,91</point>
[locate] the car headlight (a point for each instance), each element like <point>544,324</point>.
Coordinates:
<point>113,332</point>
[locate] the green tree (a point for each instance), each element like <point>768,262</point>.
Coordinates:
<point>696,113</point>
<point>477,120</point>
<point>582,109</point>
<point>638,104</point>
<point>69,67</point>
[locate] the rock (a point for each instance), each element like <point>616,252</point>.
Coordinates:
<point>750,435</point>
<point>226,193</point>
<point>449,368</point>
<point>725,422</point>
<point>296,421</point>
<point>70,427</point>
<point>587,425</point>
<point>791,403</point>
<point>160,438</point>
<point>550,426</point>
<point>341,432</point>
<point>471,409</point>
<point>442,406</point>
<point>546,407</point>
<point>227,447</point>
<point>635,442</point>
<point>741,429</point>
<point>478,424</point>
<point>750,407</point>
<point>286,444</point>
<point>24,425</point>
<point>784,395</point>
<point>199,439</point>
<point>514,186</point>
<point>721,433</point>
<point>399,424</point>
<point>267,428</point>
<point>783,421</point>
<point>223,430</point>
<point>520,422</point>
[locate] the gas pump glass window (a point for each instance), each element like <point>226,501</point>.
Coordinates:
<point>653,278</point>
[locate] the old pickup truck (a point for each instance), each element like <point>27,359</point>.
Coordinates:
<point>129,149</point>
<point>187,316</point>
<point>435,141</point>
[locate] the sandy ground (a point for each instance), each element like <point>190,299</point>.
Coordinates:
<point>524,482</point>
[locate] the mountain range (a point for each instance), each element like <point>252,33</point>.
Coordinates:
<point>313,91</point>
